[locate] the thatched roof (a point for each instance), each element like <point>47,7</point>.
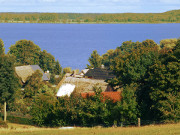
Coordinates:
<point>84,71</point>
<point>25,71</point>
<point>83,84</point>
<point>99,73</point>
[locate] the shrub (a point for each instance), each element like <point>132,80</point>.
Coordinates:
<point>3,124</point>
<point>20,120</point>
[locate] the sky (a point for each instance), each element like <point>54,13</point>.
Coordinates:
<point>89,6</point>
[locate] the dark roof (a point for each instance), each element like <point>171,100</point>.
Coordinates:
<point>100,73</point>
<point>114,96</point>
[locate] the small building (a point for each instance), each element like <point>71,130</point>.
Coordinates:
<point>84,71</point>
<point>25,71</point>
<point>99,73</point>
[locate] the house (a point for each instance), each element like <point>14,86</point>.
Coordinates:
<point>83,84</point>
<point>84,71</point>
<point>25,71</point>
<point>99,73</point>
<point>114,96</point>
<point>87,79</point>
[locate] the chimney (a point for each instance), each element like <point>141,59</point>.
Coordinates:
<point>102,66</point>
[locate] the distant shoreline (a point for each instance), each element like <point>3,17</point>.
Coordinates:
<point>88,22</point>
<point>92,18</point>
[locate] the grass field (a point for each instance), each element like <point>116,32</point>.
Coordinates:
<point>170,129</point>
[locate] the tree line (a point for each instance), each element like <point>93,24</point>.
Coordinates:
<point>147,73</point>
<point>166,17</point>
<point>151,75</point>
<point>24,52</point>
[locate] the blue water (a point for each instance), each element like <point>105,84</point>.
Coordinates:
<point>72,44</point>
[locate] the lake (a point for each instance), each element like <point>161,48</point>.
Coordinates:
<point>72,44</point>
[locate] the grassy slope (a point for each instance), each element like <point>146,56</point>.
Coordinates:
<point>170,129</point>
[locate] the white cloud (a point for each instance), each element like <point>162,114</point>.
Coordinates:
<point>48,0</point>
<point>88,5</point>
<point>170,1</point>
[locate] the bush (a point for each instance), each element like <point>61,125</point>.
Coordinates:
<point>3,124</point>
<point>20,120</point>
<point>74,110</point>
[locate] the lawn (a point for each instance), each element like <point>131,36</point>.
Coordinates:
<point>169,129</point>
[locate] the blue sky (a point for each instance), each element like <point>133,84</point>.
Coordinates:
<point>89,6</point>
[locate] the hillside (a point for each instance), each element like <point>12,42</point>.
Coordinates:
<point>166,17</point>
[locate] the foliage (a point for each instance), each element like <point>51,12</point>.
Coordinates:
<point>3,124</point>
<point>163,84</point>
<point>156,73</point>
<point>95,60</point>
<point>26,52</point>
<point>168,43</point>
<point>58,68</point>
<point>20,120</point>
<point>46,61</point>
<point>67,70</point>
<point>170,108</point>
<point>49,111</point>
<point>166,17</point>
<point>150,80</point>
<point>52,79</point>
<point>126,111</point>
<point>8,80</point>
<point>131,63</point>
<point>33,84</point>
<point>42,108</point>
<point>1,47</point>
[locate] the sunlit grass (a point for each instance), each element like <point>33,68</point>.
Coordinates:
<point>169,129</point>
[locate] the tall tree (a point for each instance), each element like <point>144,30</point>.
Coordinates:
<point>126,110</point>
<point>1,47</point>
<point>168,43</point>
<point>131,65</point>
<point>34,83</point>
<point>57,68</point>
<point>159,95</point>
<point>46,61</point>
<point>8,80</point>
<point>26,52</point>
<point>95,60</point>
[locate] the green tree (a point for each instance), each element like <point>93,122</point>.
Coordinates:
<point>162,80</point>
<point>126,110</point>
<point>8,80</point>
<point>168,43</point>
<point>42,111</point>
<point>57,68</point>
<point>1,47</point>
<point>52,79</point>
<point>26,52</point>
<point>47,61</point>
<point>130,66</point>
<point>95,60</point>
<point>33,84</point>
<point>159,94</point>
<point>67,70</point>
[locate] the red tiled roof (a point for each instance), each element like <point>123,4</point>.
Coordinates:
<point>115,96</point>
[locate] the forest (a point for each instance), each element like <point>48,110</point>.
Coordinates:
<point>166,17</point>
<point>147,73</point>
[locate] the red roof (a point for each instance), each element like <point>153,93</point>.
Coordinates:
<point>115,96</point>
